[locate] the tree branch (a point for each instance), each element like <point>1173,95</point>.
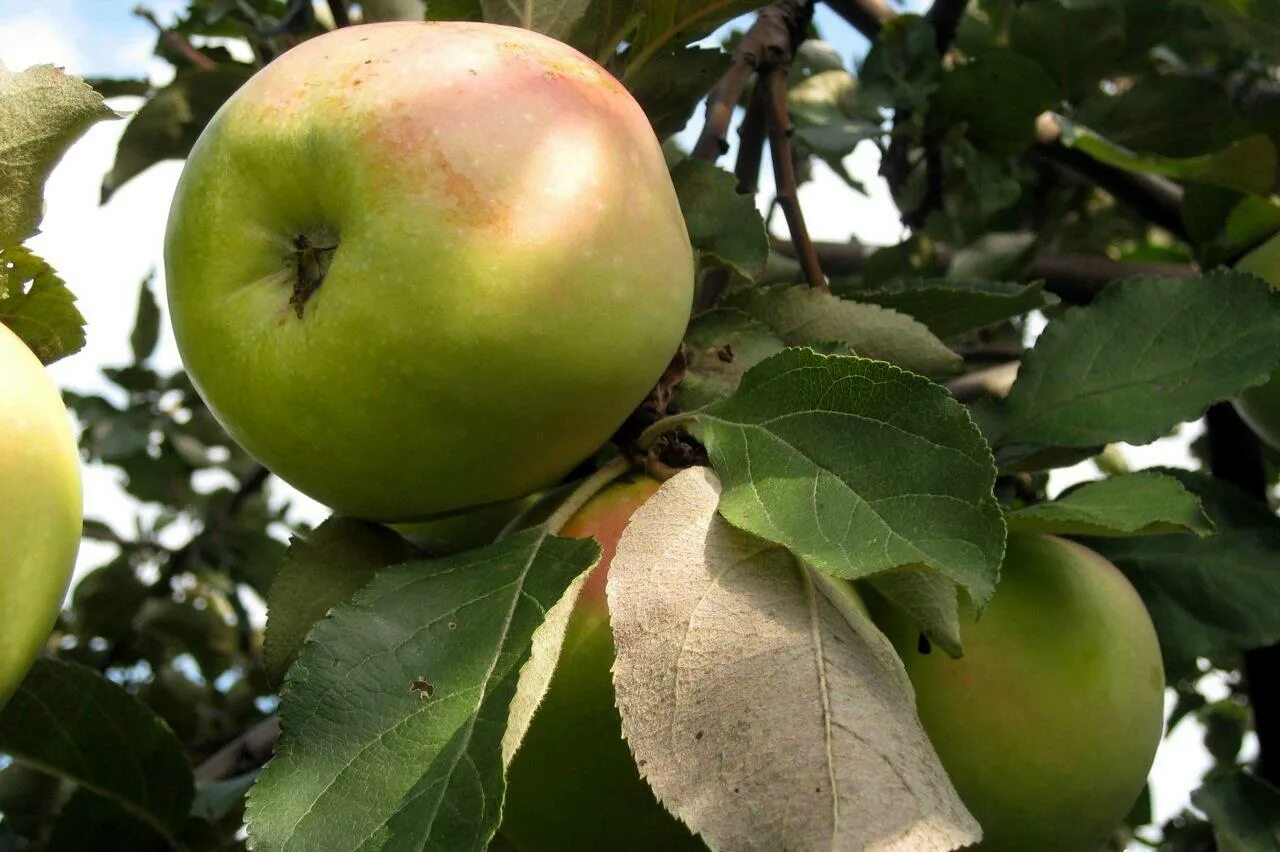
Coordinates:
<point>866,16</point>
<point>1235,456</point>
<point>1075,278</point>
<point>176,40</point>
<point>784,171</point>
<point>1156,199</point>
<point>248,751</point>
<point>338,9</point>
<point>945,15</point>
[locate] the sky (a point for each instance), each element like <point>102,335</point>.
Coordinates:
<point>104,252</point>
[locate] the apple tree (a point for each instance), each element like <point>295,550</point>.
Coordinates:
<point>657,523</point>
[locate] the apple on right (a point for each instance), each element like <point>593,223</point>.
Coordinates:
<point>1049,723</point>
<point>1260,406</point>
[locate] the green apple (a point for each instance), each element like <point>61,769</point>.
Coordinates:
<point>1260,406</point>
<point>40,508</point>
<point>573,785</point>
<point>416,267</point>
<point>1049,722</point>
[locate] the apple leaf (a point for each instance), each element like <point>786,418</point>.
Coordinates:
<point>857,467</point>
<point>1148,354</point>
<point>55,722</point>
<point>1146,503</point>
<point>1207,596</point>
<point>723,225</point>
<point>1005,124</point>
<point>1244,811</point>
<point>1177,115</point>
<point>1246,165</point>
<point>723,344</point>
<point>802,316</point>
<point>37,305</point>
<point>761,704</point>
<point>42,111</point>
<point>146,323</point>
<point>168,125</point>
<point>408,699</point>
<point>417,10</point>
<point>675,22</point>
<point>928,599</point>
<point>555,18</point>
<point>321,569</point>
<point>672,85</point>
<point>950,307</point>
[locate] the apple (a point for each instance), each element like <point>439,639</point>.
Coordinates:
<point>1260,406</point>
<point>40,508</point>
<point>573,783</point>
<point>417,267</point>
<point>1049,722</point>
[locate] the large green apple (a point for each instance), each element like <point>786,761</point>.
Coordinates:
<point>40,507</point>
<point>415,267</point>
<point>573,785</point>
<point>1049,722</point>
<point>1260,406</point>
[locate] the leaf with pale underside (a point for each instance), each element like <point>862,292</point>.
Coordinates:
<point>760,702</point>
<point>802,316</point>
<point>1149,353</point>
<point>407,701</point>
<point>1145,503</point>
<point>858,467</point>
<point>42,111</point>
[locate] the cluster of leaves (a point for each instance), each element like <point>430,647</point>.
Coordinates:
<point>838,453</point>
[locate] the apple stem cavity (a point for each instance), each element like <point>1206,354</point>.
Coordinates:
<point>312,255</point>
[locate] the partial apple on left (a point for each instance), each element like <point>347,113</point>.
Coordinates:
<point>40,508</point>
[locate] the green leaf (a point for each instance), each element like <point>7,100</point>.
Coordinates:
<point>1147,354</point>
<point>722,224</point>
<point>1174,115</point>
<point>42,111</point>
<point>69,721</point>
<point>168,628</point>
<point>1244,810</point>
<point>1247,165</point>
<point>1249,22</point>
<point>676,22</point>
<point>106,600</point>
<point>1207,596</point>
<point>37,306</point>
<point>902,68</point>
<point>146,325</point>
<point>722,345</point>
<point>802,316</point>
<point>993,256</point>
<point>950,307</point>
<point>322,569</point>
<point>674,83</point>
<point>1145,503</point>
<point>168,125</point>
<point>1076,47</point>
<point>825,110</point>
<point>395,714</point>
<point>556,18</point>
<point>91,823</point>
<point>857,467</point>
<point>929,599</point>
<point>1005,124</point>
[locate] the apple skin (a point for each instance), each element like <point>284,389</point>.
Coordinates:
<point>511,275</point>
<point>573,784</point>
<point>1260,406</point>
<point>1049,722</point>
<point>40,508</point>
